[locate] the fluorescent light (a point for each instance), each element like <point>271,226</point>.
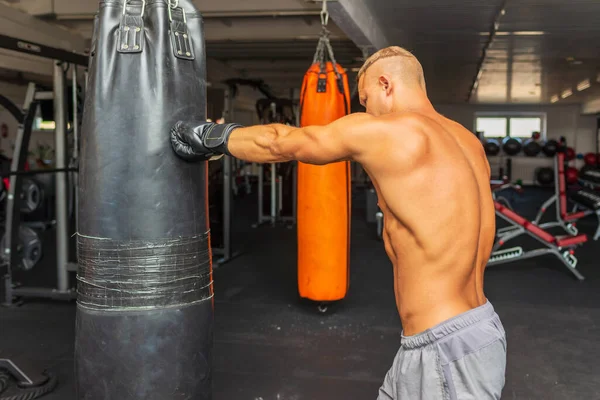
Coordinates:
<point>583,85</point>
<point>515,33</point>
<point>554,98</point>
<point>566,93</point>
<point>529,33</point>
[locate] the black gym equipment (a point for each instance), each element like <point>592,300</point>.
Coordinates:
<point>545,176</point>
<point>31,195</point>
<point>532,148</point>
<point>492,147</point>
<point>144,324</point>
<point>30,384</point>
<point>511,146</point>
<point>550,148</point>
<point>12,109</point>
<point>28,248</point>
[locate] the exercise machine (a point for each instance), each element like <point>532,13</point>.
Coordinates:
<point>16,244</point>
<point>225,251</point>
<point>273,110</point>
<point>586,201</point>
<point>562,247</point>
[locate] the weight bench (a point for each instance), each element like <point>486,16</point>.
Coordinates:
<point>585,199</point>
<point>562,247</point>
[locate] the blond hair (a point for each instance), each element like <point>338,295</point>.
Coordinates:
<point>410,67</point>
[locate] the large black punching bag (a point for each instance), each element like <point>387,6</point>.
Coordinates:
<point>145,301</point>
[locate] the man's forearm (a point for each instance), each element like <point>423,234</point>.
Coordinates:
<point>260,143</point>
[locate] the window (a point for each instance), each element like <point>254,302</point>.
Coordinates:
<point>522,126</point>
<point>492,127</point>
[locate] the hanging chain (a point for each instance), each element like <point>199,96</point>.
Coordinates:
<point>324,50</point>
<point>320,56</point>
<point>324,14</point>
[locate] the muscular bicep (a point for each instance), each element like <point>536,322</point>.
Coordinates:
<point>343,139</point>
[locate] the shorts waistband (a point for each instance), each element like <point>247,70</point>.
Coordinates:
<point>471,317</point>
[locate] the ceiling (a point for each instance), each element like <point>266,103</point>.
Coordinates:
<point>540,50</point>
<point>542,47</point>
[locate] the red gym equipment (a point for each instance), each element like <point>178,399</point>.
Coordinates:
<point>584,199</point>
<point>563,247</point>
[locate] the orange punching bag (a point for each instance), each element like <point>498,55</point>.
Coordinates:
<point>324,191</point>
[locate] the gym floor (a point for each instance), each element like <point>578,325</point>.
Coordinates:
<point>271,346</point>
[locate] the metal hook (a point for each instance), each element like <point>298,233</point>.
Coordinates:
<point>324,14</point>
<point>143,7</point>
<point>182,12</point>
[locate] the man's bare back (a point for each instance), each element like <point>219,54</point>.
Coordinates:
<point>438,217</point>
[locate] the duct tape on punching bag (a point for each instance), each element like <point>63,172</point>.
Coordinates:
<point>145,303</point>
<point>324,191</point>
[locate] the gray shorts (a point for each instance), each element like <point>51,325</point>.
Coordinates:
<point>461,358</point>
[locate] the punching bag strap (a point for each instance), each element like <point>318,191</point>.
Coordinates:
<point>339,80</point>
<point>321,56</point>
<point>131,29</point>
<point>181,40</point>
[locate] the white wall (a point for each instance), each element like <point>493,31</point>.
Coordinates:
<point>562,120</point>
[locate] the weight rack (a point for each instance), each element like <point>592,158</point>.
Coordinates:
<point>63,290</point>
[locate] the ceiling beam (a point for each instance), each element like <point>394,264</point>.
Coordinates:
<point>227,8</point>
<point>243,29</point>
<point>25,63</point>
<point>358,23</point>
<point>18,24</point>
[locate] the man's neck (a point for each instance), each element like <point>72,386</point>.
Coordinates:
<point>414,101</point>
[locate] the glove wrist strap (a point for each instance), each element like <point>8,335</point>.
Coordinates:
<point>217,137</point>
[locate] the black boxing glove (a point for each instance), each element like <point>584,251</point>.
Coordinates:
<point>200,142</point>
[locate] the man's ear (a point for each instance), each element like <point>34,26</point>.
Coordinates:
<point>385,83</point>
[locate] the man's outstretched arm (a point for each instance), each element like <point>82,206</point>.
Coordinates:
<point>343,139</point>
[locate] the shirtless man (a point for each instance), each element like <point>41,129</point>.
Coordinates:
<point>433,184</point>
